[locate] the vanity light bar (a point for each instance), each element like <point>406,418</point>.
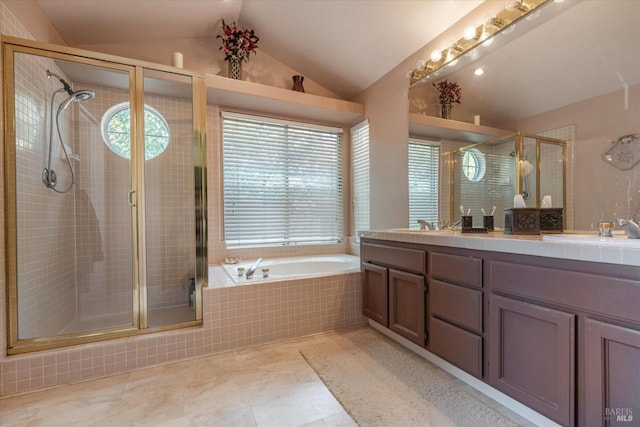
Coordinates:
<point>483,35</point>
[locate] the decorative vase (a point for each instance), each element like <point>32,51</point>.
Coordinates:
<point>235,69</point>
<point>446,110</point>
<point>297,83</point>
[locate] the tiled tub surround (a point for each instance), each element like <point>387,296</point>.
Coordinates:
<point>233,317</point>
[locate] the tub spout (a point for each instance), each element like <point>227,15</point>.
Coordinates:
<point>252,269</point>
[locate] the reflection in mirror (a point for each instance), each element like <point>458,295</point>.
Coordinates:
<point>575,77</point>
<point>491,173</point>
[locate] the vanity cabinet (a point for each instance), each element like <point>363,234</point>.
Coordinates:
<point>532,356</point>
<point>565,337</point>
<point>375,293</point>
<point>561,336</point>
<point>612,374</point>
<point>394,289</point>
<point>456,310</point>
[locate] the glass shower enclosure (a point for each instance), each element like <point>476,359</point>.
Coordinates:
<point>104,177</point>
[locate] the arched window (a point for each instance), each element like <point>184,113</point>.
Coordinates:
<point>116,131</point>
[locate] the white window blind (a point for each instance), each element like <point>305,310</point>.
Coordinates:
<point>423,181</point>
<point>283,182</point>
<point>360,176</point>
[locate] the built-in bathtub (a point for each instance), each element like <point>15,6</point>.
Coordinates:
<point>301,296</point>
<point>293,268</point>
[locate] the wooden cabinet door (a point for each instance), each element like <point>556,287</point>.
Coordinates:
<point>375,293</point>
<point>407,305</point>
<point>532,356</point>
<point>612,374</point>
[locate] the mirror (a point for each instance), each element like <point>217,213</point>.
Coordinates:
<point>486,176</point>
<point>575,77</point>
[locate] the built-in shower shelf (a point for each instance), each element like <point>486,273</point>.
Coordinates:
<point>274,100</point>
<point>452,130</point>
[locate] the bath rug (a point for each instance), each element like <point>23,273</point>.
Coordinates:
<point>381,383</point>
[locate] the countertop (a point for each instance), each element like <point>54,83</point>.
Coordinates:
<point>611,251</point>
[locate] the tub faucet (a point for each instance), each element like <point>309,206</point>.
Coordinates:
<point>252,269</point>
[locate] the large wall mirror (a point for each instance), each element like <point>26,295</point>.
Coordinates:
<point>574,77</point>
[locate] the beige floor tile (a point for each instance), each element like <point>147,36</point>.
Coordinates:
<point>270,385</point>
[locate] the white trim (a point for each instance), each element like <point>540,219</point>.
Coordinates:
<point>515,406</point>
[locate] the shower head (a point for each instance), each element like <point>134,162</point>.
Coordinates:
<point>78,96</point>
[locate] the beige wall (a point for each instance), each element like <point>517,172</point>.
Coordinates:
<point>203,56</point>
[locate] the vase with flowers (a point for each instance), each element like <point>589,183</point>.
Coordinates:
<point>237,44</point>
<point>450,93</point>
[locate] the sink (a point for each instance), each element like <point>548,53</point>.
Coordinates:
<point>592,239</point>
<point>417,230</point>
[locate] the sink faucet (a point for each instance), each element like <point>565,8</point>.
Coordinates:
<point>631,228</point>
<point>426,225</point>
<point>252,269</point>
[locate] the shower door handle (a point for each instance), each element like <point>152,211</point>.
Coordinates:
<point>131,198</point>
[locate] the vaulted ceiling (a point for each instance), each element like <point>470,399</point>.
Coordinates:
<point>344,45</point>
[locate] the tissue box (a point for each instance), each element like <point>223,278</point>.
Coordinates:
<point>522,221</point>
<point>551,220</point>
<point>533,220</point>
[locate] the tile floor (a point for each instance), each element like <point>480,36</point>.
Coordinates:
<point>269,385</point>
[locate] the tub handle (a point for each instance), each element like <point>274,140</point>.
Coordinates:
<point>130,198</point>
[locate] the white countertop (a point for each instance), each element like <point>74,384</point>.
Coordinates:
<point>609,251</point>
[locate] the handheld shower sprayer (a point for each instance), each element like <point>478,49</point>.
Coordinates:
<point>49,176</point>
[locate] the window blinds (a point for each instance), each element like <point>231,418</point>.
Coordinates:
<point>283,182</point>
<point>423,181</point>
<point>360,176</point>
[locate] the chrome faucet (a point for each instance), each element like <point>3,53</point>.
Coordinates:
<point>426,225</point>
<point>631,228</point>
<point>252,269</point>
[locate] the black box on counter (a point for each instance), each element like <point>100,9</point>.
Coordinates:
<point>533,220</point>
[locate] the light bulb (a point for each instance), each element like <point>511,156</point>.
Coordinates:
<point>436,55</point>
<point>478,71</point>
<point>469,33</point>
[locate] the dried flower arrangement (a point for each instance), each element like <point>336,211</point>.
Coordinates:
<point>237,44</point>
<point>449,92</point>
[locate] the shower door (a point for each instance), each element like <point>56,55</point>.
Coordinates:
<point>70,220</point>
<point>103,235</point>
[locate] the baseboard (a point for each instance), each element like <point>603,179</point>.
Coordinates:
<point>487,390</point>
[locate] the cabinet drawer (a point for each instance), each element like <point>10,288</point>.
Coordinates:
<point>456,346</point>
<point>457,268</point>
<point>406,259</point>
<point>462,306</point>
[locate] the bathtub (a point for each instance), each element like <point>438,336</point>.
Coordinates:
<point>295,267</point>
